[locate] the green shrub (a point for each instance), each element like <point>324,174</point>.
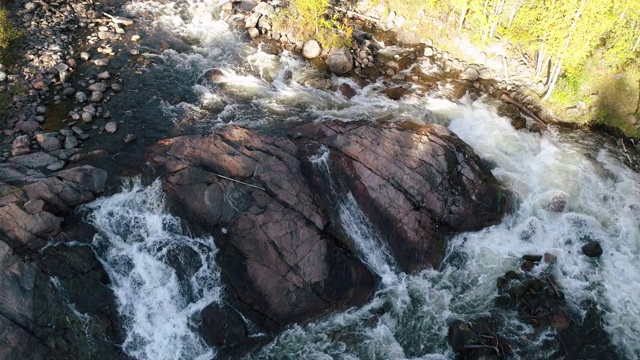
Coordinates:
<point>9,35</point>
<point>8,32</point>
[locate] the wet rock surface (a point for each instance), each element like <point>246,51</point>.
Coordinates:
<point>284,252</point>
<point>55,302</point>
<point>537,300</point>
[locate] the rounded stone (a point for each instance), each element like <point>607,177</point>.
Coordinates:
<point>87,117</point>
<point>81,97</point>
<point>111,127</point>
<point>592,249</point>
<point>340,61</point>
<point>96,96</point>
<point>311,49</point>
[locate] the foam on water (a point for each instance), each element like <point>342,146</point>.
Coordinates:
<point>603,203</point>
<point>268,88</point>
<point>162,278</point>
<point>408,317</point>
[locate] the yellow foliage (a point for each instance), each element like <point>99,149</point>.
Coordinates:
<point>309,18</point>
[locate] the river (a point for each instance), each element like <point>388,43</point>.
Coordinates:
<point>141,244</point>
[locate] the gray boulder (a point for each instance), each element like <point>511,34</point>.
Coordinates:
<point>340,61</point>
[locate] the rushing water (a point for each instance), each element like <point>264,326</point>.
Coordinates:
<point>161,277</point>
<point>365,239</point>
<point>144,249</point>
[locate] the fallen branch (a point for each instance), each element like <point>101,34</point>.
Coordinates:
<point>553,285</point>
<point>625,149</point>
<point>506,98</point>
<point>355,14</point>
<point>47,6</point>
<point>494,348</point>
<point>238,181</point>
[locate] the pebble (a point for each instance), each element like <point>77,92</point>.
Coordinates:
<point>84,56</point>
<point>68,91</point>
<point>130,138</point>
<point>77,129</point>
<point>29,126</point>
<point>101,62</point>
<point>70,142</point>
<point>87,117</point>
<point>105,75</point>
<point>99,86</point>
<point>96,96</point>
<point>48,143</point>
<point>56,165</point>
<point>81,97</point>
<point>111,127</point>
<point>116,87</point>
<point>135,38</point>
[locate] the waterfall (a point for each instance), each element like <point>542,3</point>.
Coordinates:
<point>161,276</point>
<point>365,239</point>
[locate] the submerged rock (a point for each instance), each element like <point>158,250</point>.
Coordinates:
<point>592,249</point>
<point>346,90</point>
<point>286,252</point>
<point>539,301</point>
<point>478,340</point>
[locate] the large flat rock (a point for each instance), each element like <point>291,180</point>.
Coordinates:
<point>285,251</point>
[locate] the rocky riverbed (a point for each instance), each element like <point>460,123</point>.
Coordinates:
<point>279,199</point>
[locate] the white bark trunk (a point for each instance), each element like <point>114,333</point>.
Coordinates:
<point>560,59</point>
<point>463,14</point>
<point>553,78</point>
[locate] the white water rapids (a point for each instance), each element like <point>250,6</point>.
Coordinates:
<point>144,249</point>
<point>161,277</point>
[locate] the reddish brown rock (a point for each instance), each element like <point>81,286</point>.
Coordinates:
<point>396,93</point>
<point>284,252</point>
<point>30,215</point>
<point>30,230</point>
<point>346,90</point>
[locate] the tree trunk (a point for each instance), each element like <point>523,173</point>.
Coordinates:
<point>637,112</point>
<point>553,78</point>
<point>512,16</point>
<point>463,14</point>
<point>497,12</point>
<point>540,60</point>
<point>558,64</point>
